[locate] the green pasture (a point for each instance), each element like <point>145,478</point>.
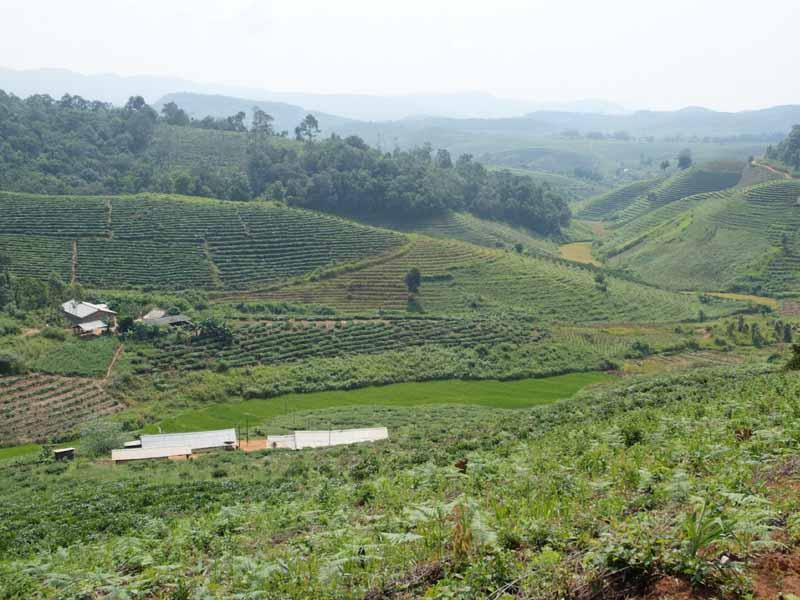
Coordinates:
<point>497,394</point>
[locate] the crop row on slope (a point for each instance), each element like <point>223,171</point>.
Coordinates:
<point>382,286</point>
<point>605,205</point>
<point>472,229</point>
<point>744,238</point>
<point>38,256</point>
<point>696,180</point>
<point>41,407</point>
<point>533,493</point>
<point>276,342</point>
<point>178,243</point>
<point>475,281</point>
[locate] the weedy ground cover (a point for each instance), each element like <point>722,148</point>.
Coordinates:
<point>655,477</point>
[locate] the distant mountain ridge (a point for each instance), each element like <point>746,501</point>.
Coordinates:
<point>286,116</point>
<point>114,88</point>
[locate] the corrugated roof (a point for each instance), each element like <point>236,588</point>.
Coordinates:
<point>145,453</point>
<point>320,439</point>
<point>84,309</point>
<point>170,320</point>
<point>195,440</point>
<point>156,313</point>
<point>92,325</point>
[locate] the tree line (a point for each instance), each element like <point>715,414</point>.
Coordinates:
<point>788,151</point>
<point>73,145</point>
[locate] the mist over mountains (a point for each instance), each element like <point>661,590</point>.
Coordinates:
<point>117,89</point>
<point>408,119</point>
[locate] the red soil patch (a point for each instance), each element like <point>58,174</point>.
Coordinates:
<point>252,445</point>
<point>674,589</point>
<point>776,574</point>
<point>790,308</point>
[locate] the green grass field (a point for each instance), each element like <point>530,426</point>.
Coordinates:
<point>17,451</point>
<point>497,394</point>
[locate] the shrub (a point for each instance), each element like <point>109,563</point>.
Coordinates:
<point>100,437</point>
<point>794,361</point>
<point>54,333</point>
<point>11,364</point>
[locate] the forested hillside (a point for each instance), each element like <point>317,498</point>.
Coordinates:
<point>75,146</point>
<point>788,151</point>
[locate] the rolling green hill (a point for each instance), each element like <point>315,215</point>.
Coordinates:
<point>174,242</point>
<point>604,206</point>
<point>472,229</point>
<point>737,239</point>
<point>238,248</point>
<point>705,178</point>
<point>463,279</point>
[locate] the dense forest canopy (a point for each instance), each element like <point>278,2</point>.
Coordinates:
<point>73,145</point>
<point>788,151</point>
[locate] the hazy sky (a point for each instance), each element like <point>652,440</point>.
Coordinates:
<point>726,55</point>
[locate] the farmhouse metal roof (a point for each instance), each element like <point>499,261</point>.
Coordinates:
<point>196,440</point>
<point>84,309</point>
<point>156,313</point>
<point>92,325</point>
<point>170,320</point>
<point>145,453</point>
<point>334,437</point>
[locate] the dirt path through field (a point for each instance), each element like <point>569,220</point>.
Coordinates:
<point>117,354</point>
<point>579,252</point>
<point>783,174</point>
<point>598,228</point>
<point>74,262</point>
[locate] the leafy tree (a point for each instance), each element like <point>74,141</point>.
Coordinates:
<point>11,364</point>
<point>308,129</point>
<point>100,437</point>
<point>216,329</point>
<point>125,324</point>
<point>413,280</point>
<point>600,281</point>
<point>794,361</point>
<point>262,122</point>
<point>685,158</point>
<point>756,337</point>
<point>174,115</point>
<point>141,122</point>
<point>664,165</point>
<point>31,293</point>
<point>443,160</point>
<point>788,151</point>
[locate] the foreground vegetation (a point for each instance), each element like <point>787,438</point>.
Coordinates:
<point>600,495</point>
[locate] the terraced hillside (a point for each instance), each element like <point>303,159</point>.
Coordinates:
<point>464,279</point>
<point>604,206</point>
<point>742,238</point>
<point>696,180</point>
<point>41,407</point>
<point>274,342</point>
<point>177,243</point>
<point>469,228</point>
